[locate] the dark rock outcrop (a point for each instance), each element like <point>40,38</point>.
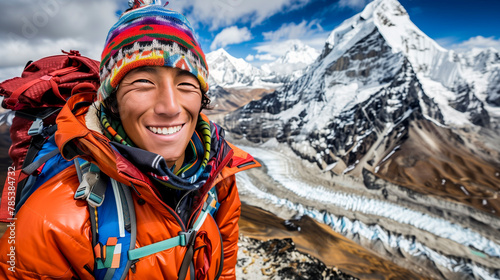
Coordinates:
<point>279,259</point>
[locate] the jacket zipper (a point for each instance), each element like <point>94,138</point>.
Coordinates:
<point>180,200</point>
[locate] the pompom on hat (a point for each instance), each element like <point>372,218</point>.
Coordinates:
<point>148,34</point>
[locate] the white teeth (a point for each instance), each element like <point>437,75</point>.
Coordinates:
<point>165,130</point>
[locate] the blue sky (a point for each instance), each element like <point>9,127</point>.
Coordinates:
<point>454,24</point>
<point>257,30</point>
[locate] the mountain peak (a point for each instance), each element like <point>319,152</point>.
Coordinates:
<point>389,7</point>
<point>299,52</point>
<point>293,62</point>
<point>296,45</point>
<point>219,52</point>
<point>228,71</point>
<point>392,21</point>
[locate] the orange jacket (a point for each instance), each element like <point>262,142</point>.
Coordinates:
<point>51,238</point>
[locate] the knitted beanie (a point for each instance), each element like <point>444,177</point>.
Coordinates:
<point>149,34</point>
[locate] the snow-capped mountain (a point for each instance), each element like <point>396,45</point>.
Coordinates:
<point>444,78</point>
<point>293,63</point>
<point>228,71</point>
<point>386,99</point>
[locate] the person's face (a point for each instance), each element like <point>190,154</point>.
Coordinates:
<point>159,109</point>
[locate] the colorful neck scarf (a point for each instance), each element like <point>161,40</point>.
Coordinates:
<point>113,129</point>
<point>193,173</point>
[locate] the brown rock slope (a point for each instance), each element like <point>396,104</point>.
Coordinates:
<point>454,165</point>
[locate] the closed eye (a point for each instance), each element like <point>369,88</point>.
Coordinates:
<point>188,85</point>
<point>142,81</point>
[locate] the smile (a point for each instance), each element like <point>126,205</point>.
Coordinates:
<point>165,130</point>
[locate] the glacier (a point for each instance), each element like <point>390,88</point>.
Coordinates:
<point>282,174</point>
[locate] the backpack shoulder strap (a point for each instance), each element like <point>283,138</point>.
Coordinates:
<point>113,237</point>
<point>37,170</point>
<point>110,247</point>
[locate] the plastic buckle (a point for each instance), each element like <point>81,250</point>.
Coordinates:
<point>189,238</point>
<point>36,128</point>
<point>94,200</point>
<point>83,190</point>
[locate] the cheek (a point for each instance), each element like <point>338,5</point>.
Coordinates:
<point>193,105</point>
<point>130,108</point>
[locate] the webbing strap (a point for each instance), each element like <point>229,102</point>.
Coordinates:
<point>13,100</point>
<point>181,240</point>
<point>108,260</point>
<point>188,258</point>
<point>35,165</point>
<point>109,274</point>
<point>96,195</point>
<point>138,253</point>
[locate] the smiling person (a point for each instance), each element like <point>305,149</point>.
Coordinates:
<point>155,196</point>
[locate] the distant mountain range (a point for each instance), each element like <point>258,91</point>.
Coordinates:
<point>230,72</point>
<point>383,98</point>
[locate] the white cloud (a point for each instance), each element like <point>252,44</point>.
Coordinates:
<point>353,4</point>
<point>259,59</point>
<point>222,13</point>
<point>477,42</point>
<point>446,42</point>
<point>293,31</point>
<point>10,72</point>
<point>22,51</point>
<point>30,30</point>
<point>273,47</point>
<point>231,35</point>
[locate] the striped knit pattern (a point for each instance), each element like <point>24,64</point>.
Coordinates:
<point>114,131</point>
<point>203,128</point>
<point>150,35</point>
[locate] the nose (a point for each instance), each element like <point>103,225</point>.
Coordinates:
<point>166,102</point>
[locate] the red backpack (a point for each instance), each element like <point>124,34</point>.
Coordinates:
<point>37,97</point>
